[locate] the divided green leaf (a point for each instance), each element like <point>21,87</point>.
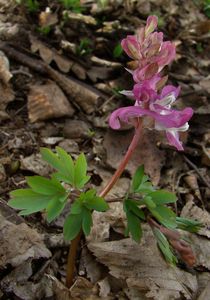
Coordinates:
<point>45,186</point>
<point>93,202</point>
<point>161,197</point>
<point>28,201</point>
<point>86,221</point>
<point>80,172</point>
<point>140,183</point>
<point>72,226</point>
<point>62,162</point>
<point>137,178</point>
<point>188,225</point>
<point>134,216</point>
<point>134,226</point>
<point>165,216</point>
<point>55,207</point>
<point>132,206</point>
<point>164,246</point>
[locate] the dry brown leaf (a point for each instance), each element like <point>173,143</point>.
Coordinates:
<point>18,282</point>
<point>35,163</point>
<point>47,101</point>
<point>19,243</point>
<point>49,55</point>
<point>192,211</point>
<point>47,18</point>
<point>103,222</point>
<point>7,94</point>
<point>5,74</point>
<point>147,153</point>
<point>205,84</point>
<point>144,269</point>
<point>201,248</point>
<point>206,292</point>
<point>82,289</point>
<point>87,19</point>
<point>89,264</point>
<point>104,286</point>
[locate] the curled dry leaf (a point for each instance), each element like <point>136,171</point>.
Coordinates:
<point>144,269</point>
<point>47,101</point>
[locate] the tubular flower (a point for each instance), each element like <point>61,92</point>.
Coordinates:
<point>151,97</point>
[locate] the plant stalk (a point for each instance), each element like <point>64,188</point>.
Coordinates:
<point>75,242</point>
<point>72,259</point>
<point>125,160</point>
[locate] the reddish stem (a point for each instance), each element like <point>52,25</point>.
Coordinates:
<point>108,187</point>
<point>71,259</point>
<point>125,160</point>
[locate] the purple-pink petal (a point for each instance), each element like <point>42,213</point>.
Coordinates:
<point>173,118</point>
<point>131,46</point>
<point>173,139</point>
<point>170,89</point>
<point>152,22</point>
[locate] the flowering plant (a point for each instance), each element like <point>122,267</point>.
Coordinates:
<point>143,202</point>
<point>151,97</point>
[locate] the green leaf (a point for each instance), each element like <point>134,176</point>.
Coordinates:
<point>131,205</point>
<point>61,163</point>
<point>118,50</point>
<point>137,178</point>
<point>45,186</point>
<point>67,161</point>
<point>164,246</point>
<point>145,187</point>
<point>91,201</point>
<point>80,177</point>
<point>76,207</point>
<point>86,221</point>
<point>134,226</point>
<point>72,226</point>
<point>149,202</point>
<point>165,216</point>
<point>162,197</point>
<point>54,208</point>
<point>188,225</point>
<point>28,201</point>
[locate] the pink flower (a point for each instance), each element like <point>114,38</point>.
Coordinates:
<point>152,54</point>
<point>172,121</point>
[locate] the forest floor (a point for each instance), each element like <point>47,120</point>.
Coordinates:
<point>61,71</point>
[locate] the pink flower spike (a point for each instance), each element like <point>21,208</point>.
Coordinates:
<point>152,22</point>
